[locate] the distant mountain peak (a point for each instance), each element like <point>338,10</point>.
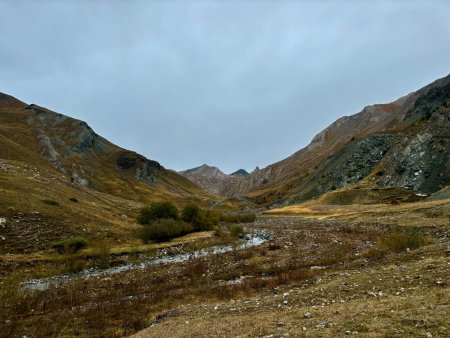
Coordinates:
<point>240,172</point>
<point>205,169</point>
<point>213,180</point>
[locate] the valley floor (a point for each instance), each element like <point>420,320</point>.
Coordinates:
<point>405,294</point>
<point>318,277</point>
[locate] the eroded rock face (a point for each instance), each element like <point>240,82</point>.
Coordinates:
<point>143,168</point>
<point>422,162</point>
<point>354,162</point>
<point>61,135</point>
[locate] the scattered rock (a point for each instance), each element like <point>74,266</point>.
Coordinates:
<point>307,315</point>
<point>323,325</point>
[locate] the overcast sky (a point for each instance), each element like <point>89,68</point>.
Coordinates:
<point>236,84</point>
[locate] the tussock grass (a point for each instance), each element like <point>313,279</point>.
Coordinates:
<point>402,240</point>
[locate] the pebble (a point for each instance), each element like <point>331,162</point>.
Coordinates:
<point>307,315</point>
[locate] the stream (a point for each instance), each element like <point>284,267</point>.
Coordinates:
<point>256,238</point>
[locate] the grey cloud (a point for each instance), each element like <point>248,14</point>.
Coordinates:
<point>229,83</point>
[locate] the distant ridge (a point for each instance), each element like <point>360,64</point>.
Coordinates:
<point>241,172</point>
<point>213,180</point>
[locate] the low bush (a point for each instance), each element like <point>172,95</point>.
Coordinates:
<point>401,240</point>
<point>236,230</point>
<point>101,253</point>
<point>190,212</point>
<point>73,264</point>
<point>49,202</point>
<point>73,199</point>
<point>69,245</point>
<point>158,210</point>
<point>164,229</point>
<point>199,218</point>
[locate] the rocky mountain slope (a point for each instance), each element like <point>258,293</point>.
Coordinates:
<point>57,143</point>
<point>404,144</point>
<point>213,180</point>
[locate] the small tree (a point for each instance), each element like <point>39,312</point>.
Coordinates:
<point>158,210</point>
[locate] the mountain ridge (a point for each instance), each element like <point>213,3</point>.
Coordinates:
<point>376,128</point>
<point>43,137</point>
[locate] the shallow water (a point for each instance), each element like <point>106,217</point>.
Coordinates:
<point>257,238</point>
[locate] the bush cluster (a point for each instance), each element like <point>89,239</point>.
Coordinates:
<point>69,245</point>
<point>164,229</point>
<point>158,210</point>
<point>199,218</point>
<point>161,221</point>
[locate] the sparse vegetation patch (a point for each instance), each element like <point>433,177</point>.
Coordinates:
<point>248,217</point>
<point>49,202</point>
<point>402,240</point>
<point>69,245</point>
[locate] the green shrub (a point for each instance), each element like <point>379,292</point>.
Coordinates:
<point>69,245</point>
<point>402,240</point>
<point>73,264</point>
<point>164,229</point>
<point>50,202</point>
<point>199,218</point>
<point>101,253</point>
<point>236,230</point>
<point>158,210</point>
<point>190,212</point>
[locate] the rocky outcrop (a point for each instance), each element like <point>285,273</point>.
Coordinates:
<point>142,168</point>
<point>421,161</point>
<point>351,164</point>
